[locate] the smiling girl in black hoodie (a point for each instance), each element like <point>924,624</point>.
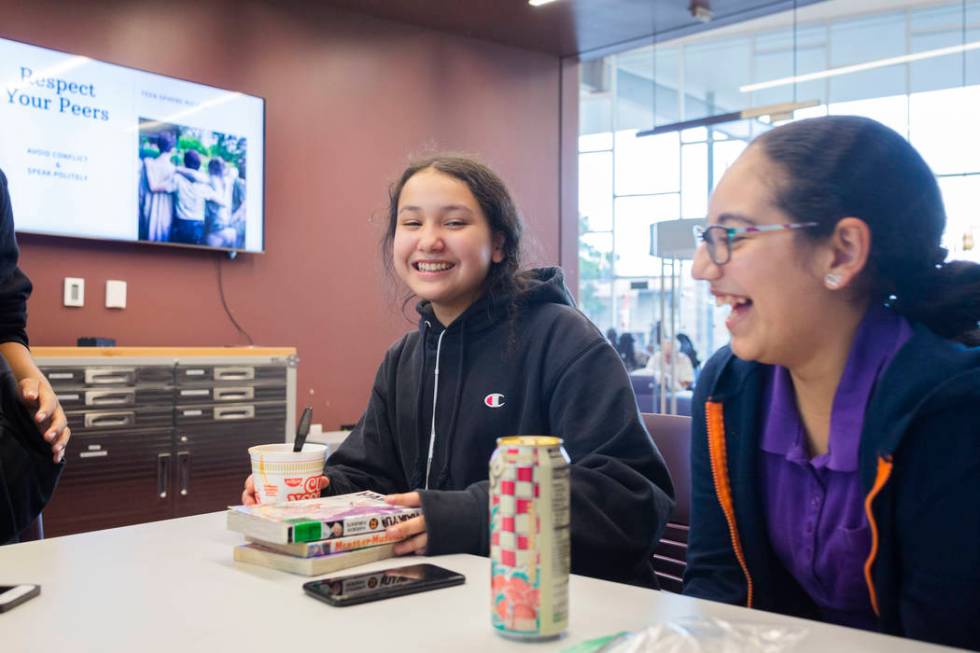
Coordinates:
<point>498,351</point>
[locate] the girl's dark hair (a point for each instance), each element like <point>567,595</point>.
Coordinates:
<point>849,166</point>
<point>491,194</point>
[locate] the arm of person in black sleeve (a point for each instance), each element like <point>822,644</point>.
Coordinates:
<point>712,570</point>
<point>937,516</point>
<point>368,458</point>
<point>34,390</point>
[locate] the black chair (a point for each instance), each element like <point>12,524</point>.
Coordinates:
<point>647,392</point>
<point>672,434</point>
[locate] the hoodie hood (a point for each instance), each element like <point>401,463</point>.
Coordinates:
<point>541,286</point>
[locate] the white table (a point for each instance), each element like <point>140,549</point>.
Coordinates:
<point>172,586</point>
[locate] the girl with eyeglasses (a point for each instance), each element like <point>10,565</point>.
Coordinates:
<point>836,440</point>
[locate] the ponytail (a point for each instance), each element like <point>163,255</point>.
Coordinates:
<point>946,299</point>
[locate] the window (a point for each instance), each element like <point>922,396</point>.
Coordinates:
<point>628,183</point>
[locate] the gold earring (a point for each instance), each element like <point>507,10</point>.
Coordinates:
<point>832,280</point>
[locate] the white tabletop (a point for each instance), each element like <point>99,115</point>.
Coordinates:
<point>172,586</point>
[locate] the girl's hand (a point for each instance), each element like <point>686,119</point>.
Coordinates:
<point>36,393</point>
<point>412,529</point>
<point>250,497</point>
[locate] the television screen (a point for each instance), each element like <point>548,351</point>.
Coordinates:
<point>95,150</point>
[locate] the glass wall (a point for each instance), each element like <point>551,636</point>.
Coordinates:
<point>626,182</point>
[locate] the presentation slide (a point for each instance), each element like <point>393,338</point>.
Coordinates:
<point>96,150</point>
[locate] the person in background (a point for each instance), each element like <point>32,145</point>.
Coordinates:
<point>218,215</point>
<point>687,348</point>
<point>156,188</point>
<point>498,351</point>
<point>33,427</point>
<point>627,351</point>
<point>194,190</point>
<point>670,369</point>
<point>836,440</point>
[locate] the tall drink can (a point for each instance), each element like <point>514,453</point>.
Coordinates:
<point>529,537</point>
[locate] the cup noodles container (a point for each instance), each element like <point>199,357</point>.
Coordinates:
<point>281,474</point>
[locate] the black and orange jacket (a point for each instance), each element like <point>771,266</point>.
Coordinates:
<point>919,461</point>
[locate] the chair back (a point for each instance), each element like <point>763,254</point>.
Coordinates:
<point>672,435</point>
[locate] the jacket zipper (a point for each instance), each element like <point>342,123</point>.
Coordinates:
<point>882,475</point>
<point>719,471</point>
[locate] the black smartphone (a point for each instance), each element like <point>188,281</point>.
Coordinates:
<point>13,595</point>
<point>384,584</point>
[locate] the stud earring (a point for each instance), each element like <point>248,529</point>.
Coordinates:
<point>832,280</point>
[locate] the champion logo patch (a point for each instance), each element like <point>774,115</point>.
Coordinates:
<point>494,400</point>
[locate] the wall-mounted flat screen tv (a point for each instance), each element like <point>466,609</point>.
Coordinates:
<point>96,150</point>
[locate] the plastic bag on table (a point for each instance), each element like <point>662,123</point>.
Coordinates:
<point>700,635</point>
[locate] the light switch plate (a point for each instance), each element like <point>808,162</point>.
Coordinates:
<point>74,291</point>
<point>115,294</point>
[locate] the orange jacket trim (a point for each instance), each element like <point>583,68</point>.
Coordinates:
<point>881,478</point>
<point>714,414</point>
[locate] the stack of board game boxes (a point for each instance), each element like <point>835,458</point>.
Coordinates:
<point>317,536</point>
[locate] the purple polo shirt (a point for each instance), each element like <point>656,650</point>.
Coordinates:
<point>814,505</point>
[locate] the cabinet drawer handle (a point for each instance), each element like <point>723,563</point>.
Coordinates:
<point>245,373</point>
<point>61,376</point>
<point>195,372</point>
<point>109,397</point>
<point>98,375</point>
<point>93,454</point>
<point>62,396</point>
<point>195,393</point>
<point>234,412</point>
<point>184,467</point>
<point>163,474</point>
<point>109,419</point>
<point>234,394</point>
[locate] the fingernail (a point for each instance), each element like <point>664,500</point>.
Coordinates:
<point>40,416</point>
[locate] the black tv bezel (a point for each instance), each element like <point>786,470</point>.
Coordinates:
<point>232,251</point>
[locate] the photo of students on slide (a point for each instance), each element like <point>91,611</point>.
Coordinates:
<point>192,186</point>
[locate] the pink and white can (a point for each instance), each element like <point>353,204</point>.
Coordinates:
<point>529,537</point>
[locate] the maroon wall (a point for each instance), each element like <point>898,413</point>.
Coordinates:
<point>349,99</point>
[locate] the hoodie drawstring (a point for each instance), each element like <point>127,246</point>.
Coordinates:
<point>426,327</point>
<point>456,401</point>
<point>435,397</point>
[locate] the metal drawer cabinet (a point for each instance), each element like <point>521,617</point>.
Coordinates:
<point>113,479</point>
<point>159,435</point>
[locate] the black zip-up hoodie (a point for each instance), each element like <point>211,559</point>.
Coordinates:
<point>547,371</point>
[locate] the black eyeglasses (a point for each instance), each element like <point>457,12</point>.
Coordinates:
<point>719,239</point>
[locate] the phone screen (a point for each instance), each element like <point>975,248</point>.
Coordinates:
<point>350,590</point>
